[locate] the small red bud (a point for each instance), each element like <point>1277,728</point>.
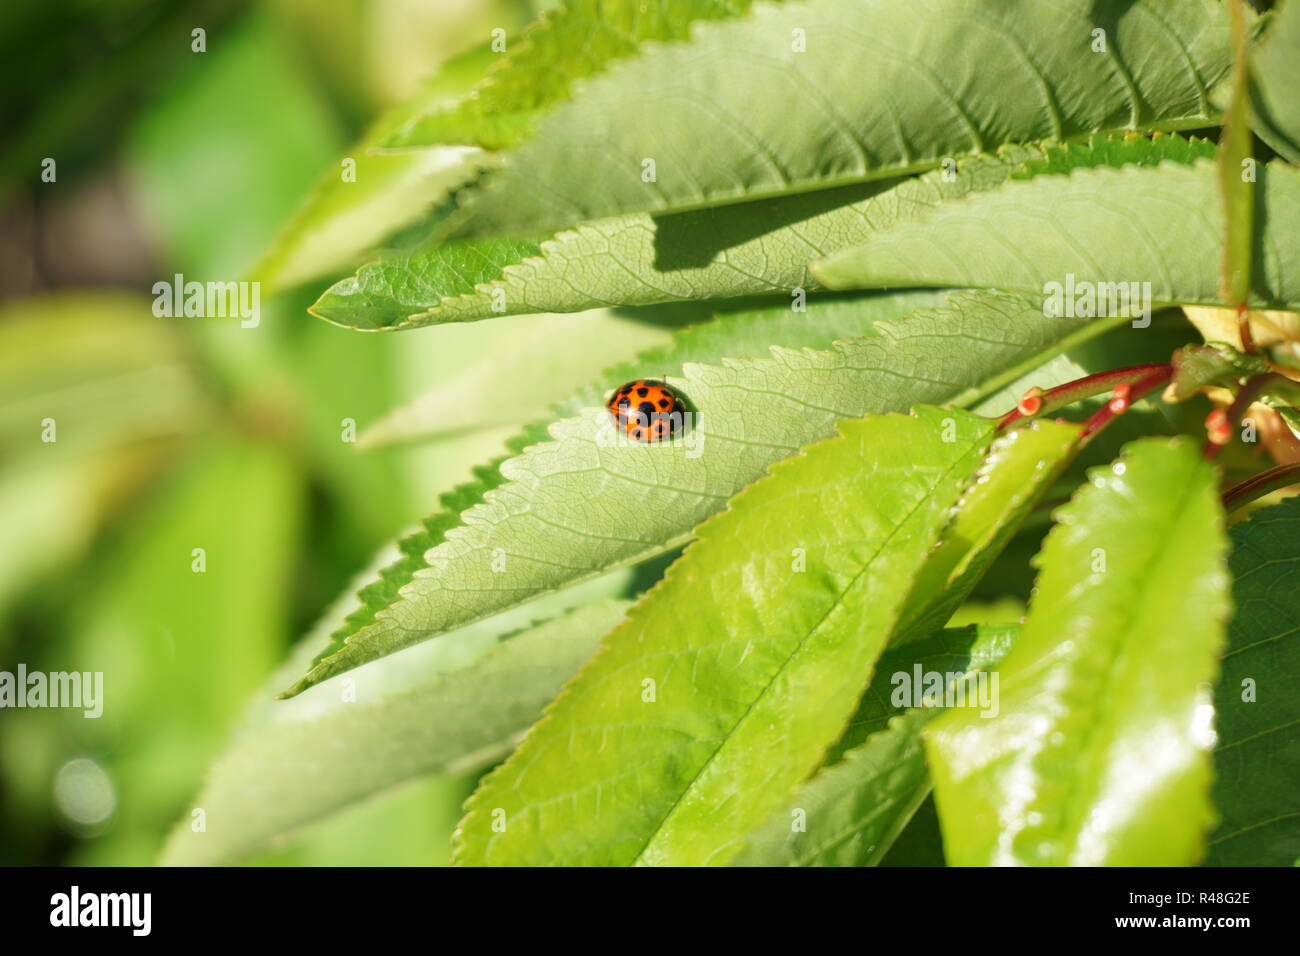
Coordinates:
<point>1120,402</point>
<point>1218,427</point>
<point>1031,403</point>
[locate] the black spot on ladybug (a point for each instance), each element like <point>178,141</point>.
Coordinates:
<point>646,410</point>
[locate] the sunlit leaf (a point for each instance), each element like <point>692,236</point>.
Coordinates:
<point>1088,229</point>
<point>854,809</point>
<point>688,730</point>
<point>760,248</point>
<point>537,69</point>
<point>603,504</point>
<point>671,130</point>
<point>1100,751</point>
<point>750,249</point>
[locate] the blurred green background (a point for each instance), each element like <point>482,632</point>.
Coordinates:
<point>182,433</point>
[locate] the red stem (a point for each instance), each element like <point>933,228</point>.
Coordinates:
<point>1157,376</point>
<point>1079,389</point>
<point>1265,482</point>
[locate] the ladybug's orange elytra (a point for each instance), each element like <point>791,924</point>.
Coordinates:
<point>647,410</point>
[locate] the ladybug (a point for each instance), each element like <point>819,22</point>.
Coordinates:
<point>646,409</point>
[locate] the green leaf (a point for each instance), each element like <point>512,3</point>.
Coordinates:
<point>381,296</point>
<point>1019,468</point>
<point>342,220</point>
<point>576,40</point>
<point>1257,761</point>
<point>534,360</point>
<point>1276,75</point>
<point>604,506</point>
<point>946,79</point>
<point>750,249</point>
<point>814,562</point>
<point>855,808</point>
<point>760,248</point>
<point>1099,754</point>
<point>1126,150</point>
<point>1200,366</point>
<point>745,333</point>
<point>754,333</point>
<point>448,133</point>
<point>869,800</point>
<point>1025,236</point>
<point>953,650</point>
<point>277,778</point>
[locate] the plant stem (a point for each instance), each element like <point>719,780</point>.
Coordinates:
<point>1265,482</point>
<point>1243,327</point>
<point>1156,376</point>
<point>1071,392</point>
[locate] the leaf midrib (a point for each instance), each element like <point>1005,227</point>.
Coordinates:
<point>1092,730</point>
